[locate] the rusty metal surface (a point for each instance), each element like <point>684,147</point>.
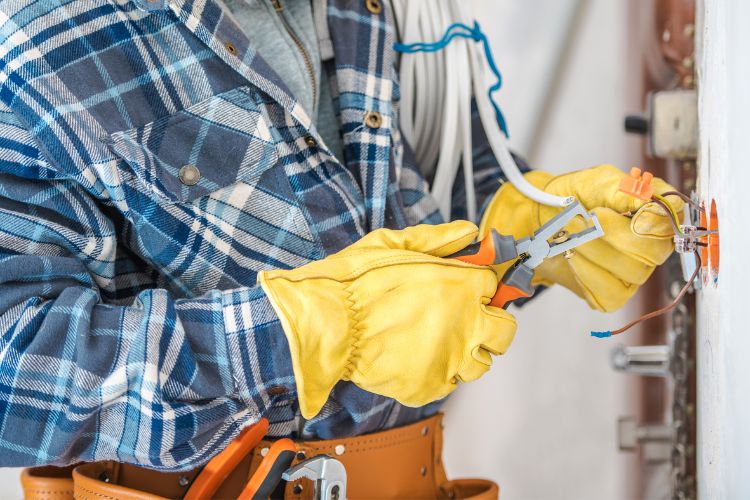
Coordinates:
<point>662,56</point>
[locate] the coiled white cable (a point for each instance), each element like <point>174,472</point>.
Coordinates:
<point>436,95</point>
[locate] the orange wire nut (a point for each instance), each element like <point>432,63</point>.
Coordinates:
<point>640,186</point>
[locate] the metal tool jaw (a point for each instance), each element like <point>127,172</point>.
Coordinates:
<point>551,239</point>
<point>328,473</point>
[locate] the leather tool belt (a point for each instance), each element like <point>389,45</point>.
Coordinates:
<point>405,462</point>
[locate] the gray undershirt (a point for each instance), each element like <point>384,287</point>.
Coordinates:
<point>265,28</point>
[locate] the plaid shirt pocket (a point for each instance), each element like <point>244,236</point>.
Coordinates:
<point>201,149</point>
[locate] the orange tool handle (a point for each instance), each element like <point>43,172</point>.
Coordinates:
<point>506,294</point>
<point>495,248</point>
<point>216,471</point>
<point>479,254</point>
<point>264,481</point>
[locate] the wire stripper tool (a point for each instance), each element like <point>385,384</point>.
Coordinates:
<point>548,241</point>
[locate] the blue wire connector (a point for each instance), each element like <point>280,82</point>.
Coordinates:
<point>601,335</point>
<point>460,30</point>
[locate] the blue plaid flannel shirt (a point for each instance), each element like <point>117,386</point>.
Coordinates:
<point>131,325</point>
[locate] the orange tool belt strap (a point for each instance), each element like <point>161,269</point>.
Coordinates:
<point>405,462</point>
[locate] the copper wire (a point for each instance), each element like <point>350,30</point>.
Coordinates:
<point>669,306</point>
<point>670,214</point>
<point>685,198</point>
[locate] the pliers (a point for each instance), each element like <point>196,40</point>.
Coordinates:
<point>548,241</point>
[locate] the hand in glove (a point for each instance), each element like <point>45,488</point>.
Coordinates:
<point>391,315</point>
<point>605,272</point>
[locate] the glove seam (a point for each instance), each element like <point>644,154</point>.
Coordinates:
<point>452,242</point>
<point>416,259</point>
<point>355,332</point>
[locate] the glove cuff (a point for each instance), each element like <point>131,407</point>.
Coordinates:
<point>316,319</point>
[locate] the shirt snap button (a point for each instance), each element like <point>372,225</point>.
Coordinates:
<point>230,48</point>
<point>373,119</point>
<point>310,141</point>
<point>189,175</point>
<point>374,6</point>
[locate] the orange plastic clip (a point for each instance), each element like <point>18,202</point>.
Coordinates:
<point>216,471</point>
<point>638,185</point>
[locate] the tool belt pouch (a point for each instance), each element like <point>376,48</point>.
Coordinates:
<point>405,462</point>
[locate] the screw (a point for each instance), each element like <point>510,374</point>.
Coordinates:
<point>560,237</point>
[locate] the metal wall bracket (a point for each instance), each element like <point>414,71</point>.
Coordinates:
<point>655,440</point>
<point>671,124</point>
<point>649,360</point>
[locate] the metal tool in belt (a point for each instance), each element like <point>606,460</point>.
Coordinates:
<point>326,472</point>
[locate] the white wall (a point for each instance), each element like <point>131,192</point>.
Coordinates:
<point>542,421</point>
<point>723,340</point>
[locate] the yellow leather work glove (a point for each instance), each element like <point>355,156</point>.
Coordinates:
<point>391,315</point>
<point>605,272</point>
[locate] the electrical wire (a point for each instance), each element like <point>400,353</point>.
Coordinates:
<point>446,63</point>
<point>673,218</point>
<point>658,312</point>
<point>675,221</point>
<point>436,95</point>
<point>685,198</point>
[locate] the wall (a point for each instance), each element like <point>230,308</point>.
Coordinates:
<point>542,421</point>
<point>723,342</point>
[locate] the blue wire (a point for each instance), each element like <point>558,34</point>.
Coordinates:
<point>601,335</point>
<point>459,30</point>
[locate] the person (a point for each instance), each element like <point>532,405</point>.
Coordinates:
<point>208,215</point>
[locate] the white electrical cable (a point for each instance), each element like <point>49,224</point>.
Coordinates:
<point>437,91</point>
<point>497,140</point>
